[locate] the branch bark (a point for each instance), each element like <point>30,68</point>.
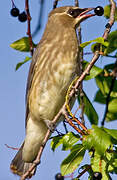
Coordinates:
<point>55,4</point>
<point>29,26</point>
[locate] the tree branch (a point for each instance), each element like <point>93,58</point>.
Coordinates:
<point>84,171</point>
<point>29,27</point>
<point>39,22</point>
<point>10,147</point>
<point>111,20</point>
<point>73,91</point>
<point>110,56</point>
<point>76,3</point>
<point>65,127</point>
<point>71,123</point>
<point>81,70</point>
<point>55,4</point>
<point>13,4</point>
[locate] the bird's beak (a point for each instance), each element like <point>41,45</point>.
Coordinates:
<point>83,14</point>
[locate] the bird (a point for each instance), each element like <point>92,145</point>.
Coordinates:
<point>55,63</point>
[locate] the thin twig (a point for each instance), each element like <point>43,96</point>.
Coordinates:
<point>55,4</point>
<point>39,24</point>
<point>76,111</point>
<point>108,99</point>
<point>29,27</point>
<point>108,96</point>
<point>110,56</point>
<point>111,20</point>
<point>58,132</point>
<point>69,176</point>
<point>13,4</point>
<point>10,147</point>
<point>80,124</point>
<point>56,136</point>
<point>71,123</point>
<point>76,3</point>
<point>65,127</point>
<point>82,106</point>
<point>84,171</point>
<point>37,161</point>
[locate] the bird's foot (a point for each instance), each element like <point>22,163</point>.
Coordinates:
<point>51,126</point>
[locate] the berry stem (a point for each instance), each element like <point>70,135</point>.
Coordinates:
<point>13,4</point>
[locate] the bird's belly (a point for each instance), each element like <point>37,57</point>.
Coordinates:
<point>51,92</point>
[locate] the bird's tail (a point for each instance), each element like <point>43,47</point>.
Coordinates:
<point>18,166</point>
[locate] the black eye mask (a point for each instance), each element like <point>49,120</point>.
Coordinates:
<point>75,12</point>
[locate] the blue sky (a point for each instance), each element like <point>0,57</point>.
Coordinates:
<point>13,84</point>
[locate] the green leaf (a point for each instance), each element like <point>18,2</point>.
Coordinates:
<point>23,62</point>
<point>97,46</point>
<point>95,71</point>
<point>113,106</point>
<point>99,40</point>
<point>73,160</point>
<point>56,141</point>
<point>112,39</point>
<point>112,132</point>
<point>69,140</point>
<point>111,116</point>
<point>22,44</point>
<point>95,140</point>
<point>107,12</point>
<point>109,46</point>
<point>112,158</point>
<point>104,84</point>
<point>99,164</point>
<point>85,44</point>
<point>99,97</point>
<point>89,109</point>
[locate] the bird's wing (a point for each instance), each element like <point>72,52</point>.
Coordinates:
<point>30,78</point>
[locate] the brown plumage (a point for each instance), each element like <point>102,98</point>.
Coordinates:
<point>55,63</point>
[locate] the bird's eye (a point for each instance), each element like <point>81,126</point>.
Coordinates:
<point>75,12</point>
<point>72,12</point>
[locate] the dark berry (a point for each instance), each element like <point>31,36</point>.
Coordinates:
<point>14,12</point>
<point>99,11</point>
<point>97,176</point>
<point>22,17</point>
<point>59,177</point>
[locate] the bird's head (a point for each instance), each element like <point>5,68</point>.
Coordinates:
<point>70,15</point>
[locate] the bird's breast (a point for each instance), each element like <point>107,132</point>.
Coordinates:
<point>53,75</point>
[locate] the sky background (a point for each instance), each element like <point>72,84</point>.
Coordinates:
<point>13,83</point>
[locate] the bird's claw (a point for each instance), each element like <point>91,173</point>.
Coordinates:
<point>51,126</point>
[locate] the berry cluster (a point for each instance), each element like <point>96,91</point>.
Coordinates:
<point>22,17</point>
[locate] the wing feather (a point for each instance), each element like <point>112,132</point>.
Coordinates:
<point>30,78</point>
